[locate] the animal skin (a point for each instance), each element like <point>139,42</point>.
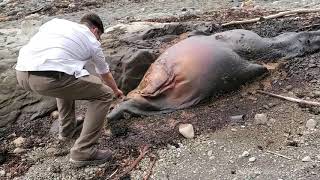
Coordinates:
<point>202,66</point>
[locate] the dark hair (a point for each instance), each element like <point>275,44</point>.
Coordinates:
<point>92,20</point>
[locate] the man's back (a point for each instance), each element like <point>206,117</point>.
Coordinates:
<point>60,45</point>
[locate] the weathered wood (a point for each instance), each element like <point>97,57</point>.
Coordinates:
<point>273,16</point>
<point>300,101</point>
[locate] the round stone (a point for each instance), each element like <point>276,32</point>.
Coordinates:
<point>311,124</point>
<point>252,159</point>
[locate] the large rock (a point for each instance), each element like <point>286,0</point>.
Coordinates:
<point>133,69</point>
<point>15,101</point>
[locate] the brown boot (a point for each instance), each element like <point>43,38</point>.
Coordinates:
<point>100,157</point>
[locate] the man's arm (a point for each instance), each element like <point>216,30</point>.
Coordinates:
<point>102,68</point>
<point>109,81</point>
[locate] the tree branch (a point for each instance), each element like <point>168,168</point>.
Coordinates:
<point>280,14</point>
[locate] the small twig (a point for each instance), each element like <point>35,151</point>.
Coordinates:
<point>301,101</point>
<point>113,173</point>
<point>274,153</point>
<point>280,14</point>
<point>149,172</point>
<point>143,152</point>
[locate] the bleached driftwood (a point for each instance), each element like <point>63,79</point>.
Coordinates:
<point>280,14</point>
<point>300,101</point>
<point>280,155</point>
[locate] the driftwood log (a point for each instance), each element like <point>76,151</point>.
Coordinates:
<point>280,14</point>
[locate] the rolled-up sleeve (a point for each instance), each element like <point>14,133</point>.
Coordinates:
<point>98,59</point>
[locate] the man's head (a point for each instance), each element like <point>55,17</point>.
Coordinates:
<point>94,23</point>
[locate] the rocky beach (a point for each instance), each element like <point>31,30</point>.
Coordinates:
<point>239,135</point>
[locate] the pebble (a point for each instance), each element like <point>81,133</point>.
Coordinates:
<point>312,65</point>
<point>51,151</point>
<point>19,141</point>
<point>316,94</point>
<point>260,119</point>
<point>306,159</point>
<point>234,129</point>
<point>79,118</point>
<point>266,106</point>
<point>210,153</point>
<point>2,173</point>
<point>19,150</point>
<point>289,87</point>
<point>245,154</point>
<point>72,5</point>
<point>252,159</point>
<point>272,120</point>
<point>102,165</point>
<point>291,94</point>
<point>8,175</point>
<point>55,114</point>
<point>12,135</point>
<point>186,130</point>
<point>311,124</point>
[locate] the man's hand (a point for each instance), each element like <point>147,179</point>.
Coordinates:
<point>119,94</point>
<point>108,80</point>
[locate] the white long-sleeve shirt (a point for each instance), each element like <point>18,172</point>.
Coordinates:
<point>62,45</point>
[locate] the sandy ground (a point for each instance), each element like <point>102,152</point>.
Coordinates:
<point>276,148</point>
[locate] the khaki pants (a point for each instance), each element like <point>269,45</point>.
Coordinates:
<point>67,89</point>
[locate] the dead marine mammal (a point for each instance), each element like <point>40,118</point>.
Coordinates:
<point>201,66</point>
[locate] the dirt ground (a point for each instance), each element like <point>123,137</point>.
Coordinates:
<point>276,148</point>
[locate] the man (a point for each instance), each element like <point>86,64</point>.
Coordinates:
<point>52,64</point>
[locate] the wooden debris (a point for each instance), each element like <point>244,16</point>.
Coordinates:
<point>149,172</point>
<point>143,152</point>
<point>277,154</point>
<point>115,172</point>
<point>273,16</point>
<point>300,101</point>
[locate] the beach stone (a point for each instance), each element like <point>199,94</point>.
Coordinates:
<point>252,159</point>
<point>19,141</point>
<point>306,159</point>
<point>311,124</point>
<point>186,130</point>
<point>19,150</point>
<point>260,119</point>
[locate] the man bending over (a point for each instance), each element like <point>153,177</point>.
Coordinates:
<point>52,64</point>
